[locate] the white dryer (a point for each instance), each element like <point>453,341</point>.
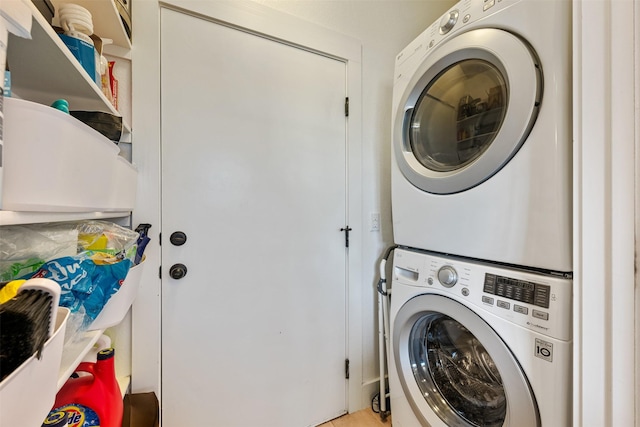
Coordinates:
<point>482,135</point>
<point>475,345</point>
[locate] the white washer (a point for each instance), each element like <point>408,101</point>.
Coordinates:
<point>475,345</point>
<point>482,135</point>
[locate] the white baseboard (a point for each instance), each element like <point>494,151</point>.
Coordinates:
<point>369,389</point>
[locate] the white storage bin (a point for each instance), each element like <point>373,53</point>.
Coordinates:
<point>124,185</point>
<point>118,305</point>
<point>54,162</point>
<point>28,394</point>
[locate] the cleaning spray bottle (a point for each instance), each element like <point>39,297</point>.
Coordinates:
<point>91,397</point>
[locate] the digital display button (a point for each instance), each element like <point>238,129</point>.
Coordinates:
<point>487,300</point>
<point>490,283</point>
<point>540,314</point>
<point>542,296</point>
<point>504,304</point>
<point>520,309</point>
<point>517,290</point>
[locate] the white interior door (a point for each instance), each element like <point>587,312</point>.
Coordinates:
<point>254,174</point>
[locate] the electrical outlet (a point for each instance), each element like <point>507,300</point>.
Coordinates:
<point>375,221</point>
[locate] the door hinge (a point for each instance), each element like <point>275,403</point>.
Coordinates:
<point>346,230</point>
<point>346,107</point>
<point>346,369</point>
<point>160,238</point>
<point>160,272</point>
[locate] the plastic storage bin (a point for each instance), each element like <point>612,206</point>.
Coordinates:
<point>118,305</point>
<point>123,188</point>
<point>55,163</point>
<point>27,395</point>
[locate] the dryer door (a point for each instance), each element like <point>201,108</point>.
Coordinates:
<point>467,110</point>
<point>455,370</point>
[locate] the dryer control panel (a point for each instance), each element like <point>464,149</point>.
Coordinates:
<point>538,302</point>
<point>463,14</point>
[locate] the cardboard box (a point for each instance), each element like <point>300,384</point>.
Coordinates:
<point>87,55</point>
<point>141,410</point>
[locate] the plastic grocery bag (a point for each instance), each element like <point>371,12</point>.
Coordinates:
<point>24,248</point>
<point>90,263</point>
<point>106,237</point>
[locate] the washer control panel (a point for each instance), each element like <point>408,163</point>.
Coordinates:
<point>519,290</point>
<point>535,301</point>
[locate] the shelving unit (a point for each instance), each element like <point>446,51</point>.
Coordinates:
<point>44,70</point>
<point>474,130</point>
<point>492,116</point>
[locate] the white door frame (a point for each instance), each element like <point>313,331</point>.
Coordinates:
<point>606,128</point>
<point>146,336</point>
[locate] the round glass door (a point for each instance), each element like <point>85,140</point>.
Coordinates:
<point>448,359</point>
<point>455,370</point>
<point>466,111</point>
<point>458,115</point>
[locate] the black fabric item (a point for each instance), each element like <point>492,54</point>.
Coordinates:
<point>105,123</point>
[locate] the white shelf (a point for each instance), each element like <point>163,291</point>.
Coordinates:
<point>73,353</point>
<point>17,218</point>
<point>44,70</point>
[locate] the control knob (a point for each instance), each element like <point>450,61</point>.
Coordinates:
<point>448,21</point>
<point>447,276</point>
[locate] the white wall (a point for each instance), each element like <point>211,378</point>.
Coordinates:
<point>606,59</point>
<point>384,28</point>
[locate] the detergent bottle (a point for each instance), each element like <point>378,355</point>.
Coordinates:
<point>91,397</point>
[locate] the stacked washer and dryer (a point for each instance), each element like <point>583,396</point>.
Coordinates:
<point>481,321</point>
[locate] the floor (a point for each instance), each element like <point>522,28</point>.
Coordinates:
<point>363,418</point>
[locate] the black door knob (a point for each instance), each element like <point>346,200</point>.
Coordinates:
<point>178,271</point>
<point>178,238</point>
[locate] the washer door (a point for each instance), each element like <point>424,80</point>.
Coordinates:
<point>454,366</point>
<point>467,110</point>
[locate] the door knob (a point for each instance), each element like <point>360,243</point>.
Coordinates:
<point>178,271</point>
<point>178,238</point>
